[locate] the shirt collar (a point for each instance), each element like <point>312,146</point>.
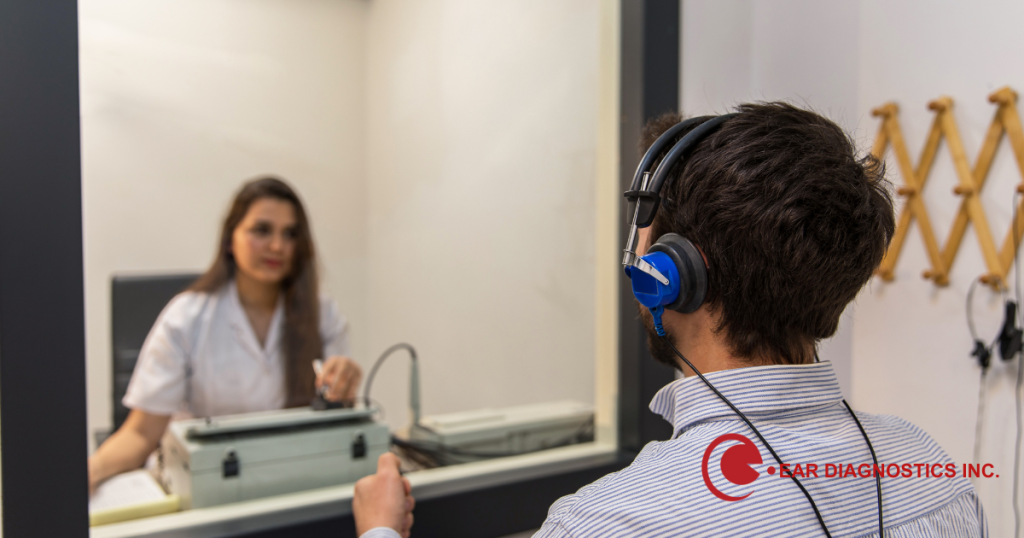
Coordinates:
<point>754,390</point>
<point>244,329</point>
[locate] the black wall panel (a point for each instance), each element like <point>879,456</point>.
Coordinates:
<point>42,328</point>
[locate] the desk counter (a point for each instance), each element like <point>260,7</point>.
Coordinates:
<point>296,508</point>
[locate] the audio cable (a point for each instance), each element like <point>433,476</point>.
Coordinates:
<point>983,355</point>
<point>433,454</point>
<point>980,420</point>
<point>1020,375</point>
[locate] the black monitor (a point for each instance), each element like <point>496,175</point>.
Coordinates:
<point>135,303</point>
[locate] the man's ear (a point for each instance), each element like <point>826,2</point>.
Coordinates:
<point>643,241</point>
<point>702,255</point>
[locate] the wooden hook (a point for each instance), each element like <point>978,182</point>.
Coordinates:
<point>1003,96</point>
<point>940,279</point>
<point>971,179</point>
<point>887,110</point>
<point>992,280</point>
<point>942,103</point>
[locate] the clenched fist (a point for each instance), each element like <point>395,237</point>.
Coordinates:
<point>384,499</point>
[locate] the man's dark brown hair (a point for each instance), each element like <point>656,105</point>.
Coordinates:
<point>791,221</point>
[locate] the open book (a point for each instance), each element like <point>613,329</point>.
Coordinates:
<point>127,496</point>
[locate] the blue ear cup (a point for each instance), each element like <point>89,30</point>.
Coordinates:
<point>679,260</point>
<point>647,289</point>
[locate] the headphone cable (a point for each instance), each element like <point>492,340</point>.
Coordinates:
<point>1020,374</point>
<point>874,458</point>
<point>817,513</point>
<point>980,420</point>
<point>983,354</point>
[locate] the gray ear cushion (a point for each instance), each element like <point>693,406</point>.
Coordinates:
<point>693,274</point>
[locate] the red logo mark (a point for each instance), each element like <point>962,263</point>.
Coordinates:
<point>735,464</point>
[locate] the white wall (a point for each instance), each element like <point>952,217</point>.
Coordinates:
<point>908,342</point>
<point>911,342</point>
<point>736,51</point>
<point>182,100</point>
<point>482,150</point>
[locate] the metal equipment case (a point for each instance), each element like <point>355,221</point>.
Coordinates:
<point>227,459</point>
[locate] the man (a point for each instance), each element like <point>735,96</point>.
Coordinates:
<point>790,224</point>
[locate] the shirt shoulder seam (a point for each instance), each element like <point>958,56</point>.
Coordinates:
<point>918,517</point>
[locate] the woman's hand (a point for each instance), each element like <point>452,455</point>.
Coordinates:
<point>383,499</point>
<point>341,376</point>
<point>128,447</point>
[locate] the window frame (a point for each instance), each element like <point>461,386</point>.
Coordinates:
<point>42,377</point>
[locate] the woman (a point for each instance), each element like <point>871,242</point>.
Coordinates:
<point>242,338</point>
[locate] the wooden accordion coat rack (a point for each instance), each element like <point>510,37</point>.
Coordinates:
<point>970,182</point>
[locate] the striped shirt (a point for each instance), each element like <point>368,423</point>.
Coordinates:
<point>380,532</point>
<point>666,491</point>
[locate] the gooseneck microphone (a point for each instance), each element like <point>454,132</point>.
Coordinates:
<point>414,379</point>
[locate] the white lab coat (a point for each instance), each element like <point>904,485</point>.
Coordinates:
<point>202,358</point>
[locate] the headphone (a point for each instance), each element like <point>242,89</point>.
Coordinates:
<point>673,273</point>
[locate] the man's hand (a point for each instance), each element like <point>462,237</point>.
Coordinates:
<point>341,376</point>
<point>383,499</point>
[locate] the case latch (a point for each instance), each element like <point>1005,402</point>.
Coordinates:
<point>359,447</point>
<point>230,464</point>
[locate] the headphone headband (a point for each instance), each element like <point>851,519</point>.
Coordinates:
<point>683,147</point>
<point>659,146</point>
<point>644,194</point>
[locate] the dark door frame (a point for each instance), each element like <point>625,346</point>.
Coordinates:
<point>42,320</point>
<point>649,87</point>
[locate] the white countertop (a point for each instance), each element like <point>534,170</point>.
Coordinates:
<point>295,508</point>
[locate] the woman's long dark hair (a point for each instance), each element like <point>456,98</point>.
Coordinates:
<point>302,341</point>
